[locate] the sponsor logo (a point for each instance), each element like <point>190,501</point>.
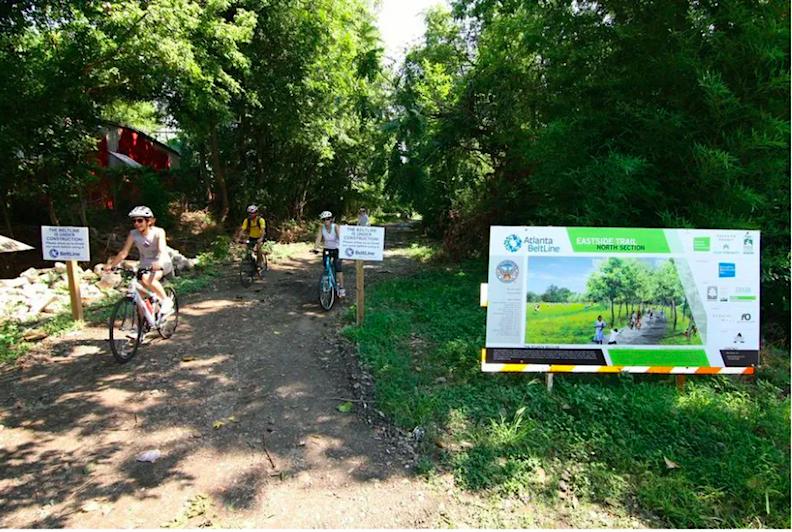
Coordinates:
<point>349,252</point>
<point>712,293</point>
<point>746,316</point>
<point>701,243</point>
<point>507,271</point>
<point>727,269</point>
<point>513,243</point>
<point>748,246</point>
<point>54,253</point>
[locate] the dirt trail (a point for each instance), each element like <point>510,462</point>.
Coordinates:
<point>268,365</point>
<point>651,332</point>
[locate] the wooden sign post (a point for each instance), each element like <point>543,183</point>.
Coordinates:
<point>74,290</point>
<point>361,243</point>
<point>68,244</point>
<point>360,291</point>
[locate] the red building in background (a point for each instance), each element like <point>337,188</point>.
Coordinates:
<point>135,148</point>
<point>122,146</point>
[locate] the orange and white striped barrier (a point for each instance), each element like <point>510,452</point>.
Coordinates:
<point>557,368</point>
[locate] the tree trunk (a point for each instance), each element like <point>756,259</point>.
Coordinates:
<point>613,318</point>
<point>83,216</point>
<point>6,215</point>
<point>674,308</point>
<point>51,210</point>
<point>218,171</point>
<point>204,176</point>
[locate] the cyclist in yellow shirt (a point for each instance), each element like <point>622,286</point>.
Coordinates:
<point>255,227</point>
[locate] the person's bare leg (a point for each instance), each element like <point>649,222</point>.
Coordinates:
<point>156,286</point>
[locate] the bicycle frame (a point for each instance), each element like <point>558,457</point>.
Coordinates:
<point>330,271</point>
<point>134,293</point>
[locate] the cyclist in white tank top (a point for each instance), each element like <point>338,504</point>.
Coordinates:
<point>151,243</point>
<point>331,233</point>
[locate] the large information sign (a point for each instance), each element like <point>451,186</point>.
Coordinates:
<point>362,242</point>
<point>65,243</point>
<point>585,299</point>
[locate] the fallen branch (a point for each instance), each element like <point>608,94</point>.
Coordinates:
<point>264,445</point>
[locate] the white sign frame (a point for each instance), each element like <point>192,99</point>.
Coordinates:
<point>362,243</point>
<point>65,243</point>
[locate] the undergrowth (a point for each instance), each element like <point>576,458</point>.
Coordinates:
<point>606,439</point>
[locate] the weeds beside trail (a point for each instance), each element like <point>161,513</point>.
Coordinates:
<point>715,456</point>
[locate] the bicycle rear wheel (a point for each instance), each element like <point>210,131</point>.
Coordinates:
<point>126,330</point>
<point>167,326</point>
<point>326,292</point>
<point>247,271</point>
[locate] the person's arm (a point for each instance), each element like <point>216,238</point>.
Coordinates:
<point>163,250</point>
<point>338,231</point>
<point>121,254</point>
<point>263,226</point>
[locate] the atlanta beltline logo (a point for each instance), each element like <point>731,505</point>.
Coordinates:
<point>513,243</point>
<point>532,244</point>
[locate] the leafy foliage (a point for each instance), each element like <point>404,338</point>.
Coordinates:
<point>612,113</point>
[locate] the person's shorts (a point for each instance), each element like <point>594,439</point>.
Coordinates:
<point>333,254</point>
<point>167,269</point>
<point>252,242</point>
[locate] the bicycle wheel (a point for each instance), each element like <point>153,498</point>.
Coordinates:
<point>167,326</point>
<point>126,330</point>
<point>247,271</point>
<point>326,292</point>
<point>264,266</point>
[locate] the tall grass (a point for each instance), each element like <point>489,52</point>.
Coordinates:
<point>609,436</point>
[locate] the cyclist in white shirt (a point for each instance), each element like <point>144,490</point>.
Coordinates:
<point>331,233</point>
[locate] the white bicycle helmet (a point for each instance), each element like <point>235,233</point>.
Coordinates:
<point>251,209</point>
<point>326,215</point>
<point>141,211</point>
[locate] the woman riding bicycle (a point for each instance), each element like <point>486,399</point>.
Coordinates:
<point>151,244</point>
<point>331,234</point>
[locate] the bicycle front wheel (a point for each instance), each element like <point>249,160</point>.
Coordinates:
<point>167,326</point>
<point>247,271</point>
<point>263,266</point>
<point>126,330</point>
<point>326,292</point>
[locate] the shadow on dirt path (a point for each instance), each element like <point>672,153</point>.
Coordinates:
<point>249,418</point>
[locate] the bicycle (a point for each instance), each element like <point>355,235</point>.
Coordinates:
<point>250,268</point>
<point>134,316</point>
<point>327,283</point>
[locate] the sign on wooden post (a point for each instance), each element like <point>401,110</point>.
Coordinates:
<point>361,243</point>
<point>556,297</point>
<point>68,244</point>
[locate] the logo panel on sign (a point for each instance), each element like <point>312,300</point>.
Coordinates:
<point>507,271</point>
<point>513,243</point>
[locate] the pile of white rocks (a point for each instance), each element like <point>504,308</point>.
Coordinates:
<point>38,292</point>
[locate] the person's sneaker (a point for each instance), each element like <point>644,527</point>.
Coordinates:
<point>166,308</point>
<point>341,292</point>
<point>133,335</point>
